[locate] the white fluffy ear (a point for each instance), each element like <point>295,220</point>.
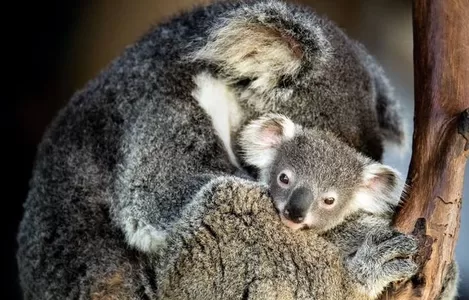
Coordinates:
<point>253,50</point>
<point>381,189</point>
<point>260,139</point>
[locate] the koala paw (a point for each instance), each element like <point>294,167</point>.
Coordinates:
<point>383,259</point>
<point>144,237</point>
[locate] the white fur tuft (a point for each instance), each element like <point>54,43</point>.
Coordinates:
<point>253,51</point>
<point>381,190</point>
<point>219,102</point>
<point>145,238</point>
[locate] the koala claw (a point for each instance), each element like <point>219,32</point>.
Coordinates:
<point>143,236</point>
<point>399,245</point>
<point>400,269</point>
<point>376,264</point>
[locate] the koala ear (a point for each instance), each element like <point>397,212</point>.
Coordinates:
<point>380,190</point>
<point>261,138</point>
<point>246,49</point>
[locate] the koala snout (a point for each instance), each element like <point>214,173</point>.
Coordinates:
<point>298,205</point>
<point>294,216</point>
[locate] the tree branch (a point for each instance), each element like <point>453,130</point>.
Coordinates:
<point>440,142</point>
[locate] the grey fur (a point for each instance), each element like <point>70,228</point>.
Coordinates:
<point>390,117</point>
<point>133,151</point>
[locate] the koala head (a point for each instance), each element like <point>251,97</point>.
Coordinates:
<point>316,180</point>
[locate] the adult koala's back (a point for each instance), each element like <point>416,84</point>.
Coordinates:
<point>122,162</point>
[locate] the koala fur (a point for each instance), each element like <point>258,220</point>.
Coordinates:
<point>133,196</point>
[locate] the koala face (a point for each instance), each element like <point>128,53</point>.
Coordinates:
<point>315,179</point>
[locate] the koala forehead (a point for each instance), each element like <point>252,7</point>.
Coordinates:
<point>322,161</point>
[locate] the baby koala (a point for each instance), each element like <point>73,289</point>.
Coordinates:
<point>315,179</point>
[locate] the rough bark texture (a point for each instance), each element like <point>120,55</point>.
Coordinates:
<point>440,142</point>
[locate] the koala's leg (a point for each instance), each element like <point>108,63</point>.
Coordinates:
<point>145,206</point>
<point>351,234</point>
<point>450,286</point>
<point>146,216</point>
<point>220,188</point>
<point>383,258</point>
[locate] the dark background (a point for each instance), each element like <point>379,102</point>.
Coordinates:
<point>53,47</point>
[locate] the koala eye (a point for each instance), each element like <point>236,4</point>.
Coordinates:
<point>329,200</point>
<point>283,178</point>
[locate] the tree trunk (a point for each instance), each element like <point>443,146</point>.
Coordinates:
<point>440,147</point>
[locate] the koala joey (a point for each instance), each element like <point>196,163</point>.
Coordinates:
<point>315,180</point>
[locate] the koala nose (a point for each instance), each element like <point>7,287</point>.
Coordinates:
<point>293,215</point>
<point>298,205</point>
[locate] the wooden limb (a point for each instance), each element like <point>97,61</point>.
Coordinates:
<point>440,143</point>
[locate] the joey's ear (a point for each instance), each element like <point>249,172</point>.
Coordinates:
<point>247,49</point>
<point>380,190</point>
<point>261,138</point>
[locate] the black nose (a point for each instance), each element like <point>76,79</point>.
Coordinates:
<point>298,205</point>
<point>293,216</point>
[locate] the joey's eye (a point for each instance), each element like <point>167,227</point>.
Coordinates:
<point>283,178</point>
<point>329,200</point>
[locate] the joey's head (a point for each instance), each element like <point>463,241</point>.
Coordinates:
<point>315,179</point>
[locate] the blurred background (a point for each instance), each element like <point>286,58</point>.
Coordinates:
<point>56,46</point>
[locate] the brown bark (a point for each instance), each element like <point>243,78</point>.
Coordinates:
<point>440,143</point>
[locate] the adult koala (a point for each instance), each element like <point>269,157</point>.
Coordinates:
<point>133,194</point>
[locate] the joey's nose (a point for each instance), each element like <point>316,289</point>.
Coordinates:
<point>298,205</point>
<point>294,216</point>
